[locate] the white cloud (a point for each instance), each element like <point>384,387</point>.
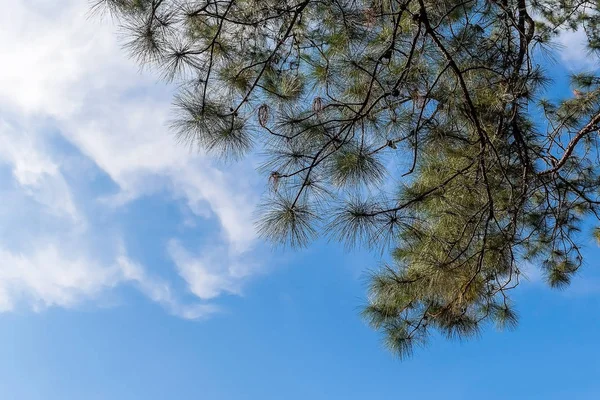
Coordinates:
<point>66,73</point>
<point>208,274</point>
<point>574,53</point>
<point>35,171</point>
<point>161,292</point>
<point>47,277</point>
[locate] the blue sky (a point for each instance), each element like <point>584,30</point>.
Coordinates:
<point>129,267</point>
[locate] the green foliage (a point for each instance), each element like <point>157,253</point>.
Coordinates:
<point>355,165</point>
<point>413,125</point>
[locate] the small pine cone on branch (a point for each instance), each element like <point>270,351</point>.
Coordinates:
<point>263,115</point>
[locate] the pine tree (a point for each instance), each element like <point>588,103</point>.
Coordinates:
<point>415,125</point>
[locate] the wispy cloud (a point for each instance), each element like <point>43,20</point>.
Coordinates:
<point>47,277</point>
<point>574,53</point>
<point>67,77</point>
